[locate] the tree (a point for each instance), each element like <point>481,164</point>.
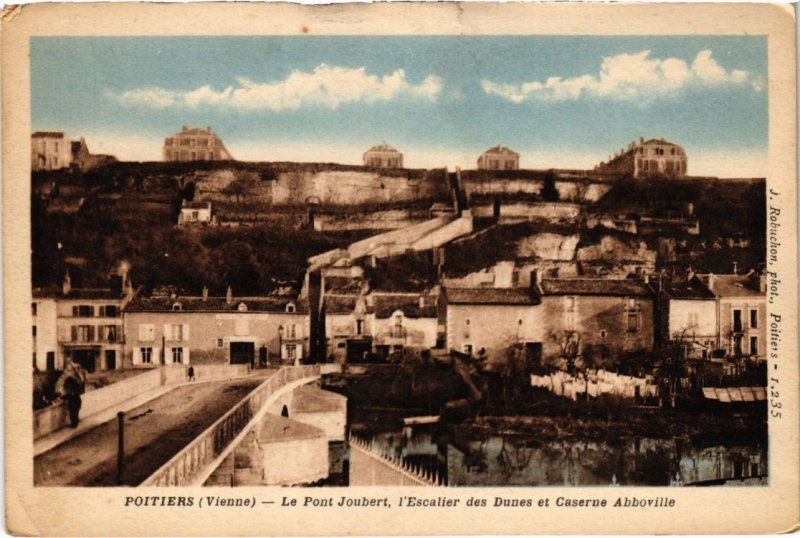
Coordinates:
<point>569,343</point>
<point>241,186</point>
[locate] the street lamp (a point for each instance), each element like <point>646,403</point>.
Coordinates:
<point>280,343</point>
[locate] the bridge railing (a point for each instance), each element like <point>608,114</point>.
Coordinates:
<point>186,466</point>
<point>372,467</point>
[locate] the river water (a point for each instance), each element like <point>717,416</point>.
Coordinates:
<point>511,460</point>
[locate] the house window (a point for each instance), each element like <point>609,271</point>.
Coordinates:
<point>177,307</point>
<point>754,345</point>
<point>146,354</point>
<point>603,334</point>
<point>467,348</point>
<point>195,215</point>
<point>754,318</point>
<point>291,351</point>
<point>570,306</point>
<point>291,331</point>
<point>109,311</point>
<point>33,309</point>
<point>83,311</point>
<point>177,332</point>
<point>359,327</point>
<point>146,332</point>
<point>177,355</point>
<point>290,308</point>
<point>737,320</point>
<point>220,342</point>
<point>633,321</point>
<point>111,333</point>
<point>83,333</point>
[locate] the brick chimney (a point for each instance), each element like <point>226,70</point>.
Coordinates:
<point>229,296</point>
<point>205,293</point>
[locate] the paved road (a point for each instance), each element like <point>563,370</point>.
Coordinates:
<point>154,432</point>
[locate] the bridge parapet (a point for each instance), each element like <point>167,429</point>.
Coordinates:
<point>192,465</point>
<point>369,467</point>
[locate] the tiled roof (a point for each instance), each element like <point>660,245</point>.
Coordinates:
<point>502,150</point>
<point>278,429</point>
<point>214,304</point>
<point>76,294</point>
<point>196,205</point>
<point>315,400</point>
<point>194,131</point>
<point>47,134</point>
<point>594,286</point>
<point>732,285</point>
<point>385,305</point>
<point>693,289</point>
<point>659,141</point>
<point>340,304</point>
<point>496,296</point>
<point>383,147</point>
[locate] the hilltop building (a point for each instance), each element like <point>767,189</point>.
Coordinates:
<point>647,158</point>
<point>195,145</point>
<point>50,150</point>
<point>383,156</point>
<point>499,158</point>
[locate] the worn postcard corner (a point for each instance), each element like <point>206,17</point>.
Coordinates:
<point>400,269</point>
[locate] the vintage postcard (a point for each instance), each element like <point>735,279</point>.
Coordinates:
<point>417,269</point>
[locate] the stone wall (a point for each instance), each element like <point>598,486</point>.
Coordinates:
<point>285,185</point>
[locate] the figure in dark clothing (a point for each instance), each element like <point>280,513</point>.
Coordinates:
<point>190,373</point>
<point>73,398</point>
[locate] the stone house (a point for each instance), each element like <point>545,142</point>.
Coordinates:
<point>604,317</point>
<point>215,330</point>
<point>402,322</point>
<point>195,145</point>
<point>195,213</point>
<point>741,313</point>
<point>597,316</point>
<point>688,310</point>
<point>654,157</point>
<point>490,320</point>
<point>383,156</point>
<point>348,335</point>
<point>386,324</point>
<point>84,324</point>
<point>44,314</point>
<point>50,150</point>
<point>499,158</point>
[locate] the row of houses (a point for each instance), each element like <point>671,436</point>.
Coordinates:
<point>52,150</point>
<point>715,316</point>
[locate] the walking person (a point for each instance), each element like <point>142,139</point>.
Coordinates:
<point>73,397</point>
<point>190,373</point>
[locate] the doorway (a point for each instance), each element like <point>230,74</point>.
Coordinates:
<point>243,353</point>
<point>86,358</point>
<point>111,359</point>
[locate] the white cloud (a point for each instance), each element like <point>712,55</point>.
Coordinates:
<point>326,86</point>
<point>628,77</point>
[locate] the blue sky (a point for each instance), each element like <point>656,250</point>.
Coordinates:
<point>558,100</point>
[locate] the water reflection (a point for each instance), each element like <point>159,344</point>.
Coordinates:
<point>510,460</point>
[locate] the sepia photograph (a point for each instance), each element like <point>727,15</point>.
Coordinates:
<point>462,262</point>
